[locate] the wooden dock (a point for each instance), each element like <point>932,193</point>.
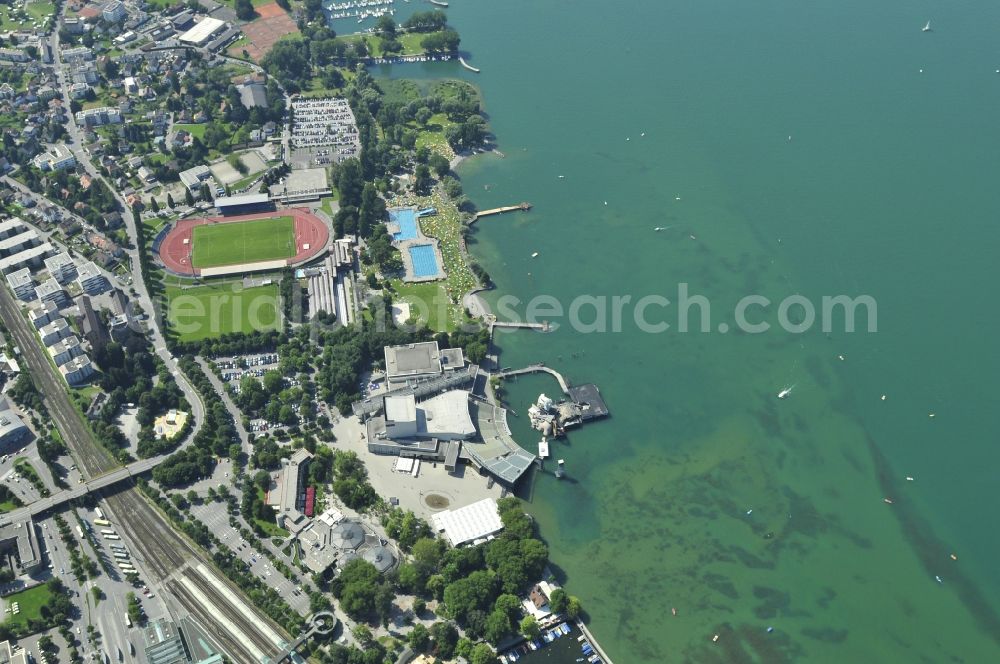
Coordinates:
<point>536,368</point>
<point>523,207</point>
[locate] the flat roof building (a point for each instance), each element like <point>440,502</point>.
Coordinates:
<point>287,491</point>
<point>193,177</point>
<point>91,280</point>
<point>61,267</point>
<point>19,546</point>
<point>65,350</point>
<point>22,284</point>
<point>12,655</point>
<point>202,32</point>
<point>420,361</point>
<point>42,314</point>
<point>13,432</point>
<point>472,523</point>
<point>51,290</point>
<point>243,203</point>
<point>77,370</point>
<point>30,257</point>
<point>55,331</point>
<point>164,644</point>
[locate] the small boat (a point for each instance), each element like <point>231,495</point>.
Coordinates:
<point>673,611</point>
<point>909,478</point>
<point>953,557</point>
<point>534,255</point>
<point>562,177</point>
<point>938,579</point>
<point>439,3</point>
<point>927,28</point>
<point>887,501</point>
<point>783,394</point>
<point>658,229</point>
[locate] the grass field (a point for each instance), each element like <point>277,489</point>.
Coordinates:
<point>204,312</point>
<point>196,130</point>
<point>30,602</point>
<point>243,242</point>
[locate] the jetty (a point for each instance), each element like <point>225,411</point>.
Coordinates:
<point>536,368</point>
<point>465,64</point>
<point>522,207</point>
<point>518,325</point>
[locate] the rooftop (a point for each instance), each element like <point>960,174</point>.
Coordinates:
<point>413,360</point>
<point>202,30</point>
<point>244,199</point>
<point>470,523</point>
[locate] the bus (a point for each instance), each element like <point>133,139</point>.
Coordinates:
<point>79,532</point>
<point>120,556</point>
<point>118,547</point>
<point>128,622</point>
<point>111,537</point>
<point>101,522</point>
<point>98,512</point>
<point>108,531</point>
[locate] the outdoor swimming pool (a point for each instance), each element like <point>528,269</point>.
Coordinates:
<point>424,260</point>
<point>407,220</point>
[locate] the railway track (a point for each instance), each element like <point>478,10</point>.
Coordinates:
<point>228,617</point>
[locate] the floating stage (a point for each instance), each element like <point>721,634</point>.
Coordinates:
<point>588,396</point>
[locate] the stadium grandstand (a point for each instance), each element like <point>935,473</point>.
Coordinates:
<point>244,204</point>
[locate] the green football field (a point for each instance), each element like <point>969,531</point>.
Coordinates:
<point>230,243</point>
<point>211,310</point>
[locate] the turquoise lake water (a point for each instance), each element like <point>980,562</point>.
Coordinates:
<point>814,150</point>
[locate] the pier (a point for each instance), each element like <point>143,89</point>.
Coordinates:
<point>536,368</point>
<point>465,64</point>
<point>523,207</point>
<point>541,327</point>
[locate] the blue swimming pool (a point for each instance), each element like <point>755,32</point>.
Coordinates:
<point>407,220</point>
<point>424,260</point>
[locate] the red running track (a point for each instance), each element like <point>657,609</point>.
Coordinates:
<point>309,230</point>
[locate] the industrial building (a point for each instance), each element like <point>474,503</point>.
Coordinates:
<point>13,432</point>
<point>202,31</point>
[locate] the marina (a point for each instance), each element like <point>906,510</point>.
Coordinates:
<point>563,643</point>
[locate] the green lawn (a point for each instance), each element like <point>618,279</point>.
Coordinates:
<point>214,309</point>
<point>431,135</point>
<point>429,304</point>
<point>268,525</point>
<point>30,602</point>
<point>243,242</point>
<point>196,130</point>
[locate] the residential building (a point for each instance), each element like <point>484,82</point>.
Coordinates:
<point>114,12</point>
<point>55,331</point>
<point>77,370</point>
<point>13,55</point>
<point>91,280</point>
<point>96,117</point>
<point>58,158</point>
<point>65,350</point>
<point>77,53</point>
<point>22,284</point>
<point>61,267</point>
<point>51,290</point>
<point>43,313</point>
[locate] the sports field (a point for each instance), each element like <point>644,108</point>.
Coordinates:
<point>204,312</point>
<point>243,242</point>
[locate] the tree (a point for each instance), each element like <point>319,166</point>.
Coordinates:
<point>419,638</point>
<point>445,638</point>
<point>422,180</point>
<point>529,627</point>
<point>170,201</point>
<point>386,26</point>
<point>423,116</point>
<point>573,607</point>
<point>482,654</point>
<point>558,601</point>
<point>153,205</point>
<point>188,197</point>
<point>244,10</point>
<point>439,163</point>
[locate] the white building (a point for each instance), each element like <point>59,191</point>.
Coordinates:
<point>77,370</point>
<point>65,350</point>
<point>61,267</point>
<point>114,12</point>
<point>51,290</point>
<point>55,331</point>
<point>203,31</point>
<point>96,117</point>
<point>57,159</point>
<point>90,279</point>
<point>42,314</point>
<point>193,178</point>
<point>472,523</point>
<point>22,284</point>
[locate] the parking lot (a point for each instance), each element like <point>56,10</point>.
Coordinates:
<point>215,517</point>
<point>235,368</point>
<point>323,131</point>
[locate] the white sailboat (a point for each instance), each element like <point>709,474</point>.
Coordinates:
<point>785,392</point>
<point>927,28</point>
